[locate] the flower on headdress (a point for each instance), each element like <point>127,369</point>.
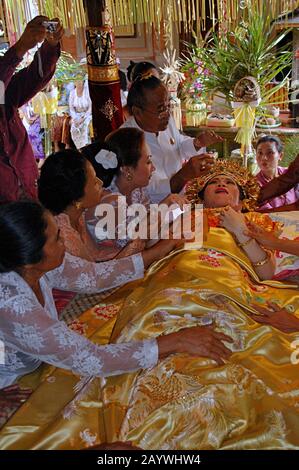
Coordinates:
<point>107,159</point>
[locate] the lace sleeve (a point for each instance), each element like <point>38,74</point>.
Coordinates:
<point>27,328</point>
<point>79,275</point>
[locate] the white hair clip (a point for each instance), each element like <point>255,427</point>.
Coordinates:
<point>107,159</point>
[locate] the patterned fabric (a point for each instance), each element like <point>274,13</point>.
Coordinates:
<point>287,266</point>
<point>111,195</point>
<point>34,131</point>
<point>32,333</point>
<point>79,243</point>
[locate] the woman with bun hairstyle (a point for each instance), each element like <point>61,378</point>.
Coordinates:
<point>124,165</point>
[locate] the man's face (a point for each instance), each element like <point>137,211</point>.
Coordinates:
<point>154,114</point>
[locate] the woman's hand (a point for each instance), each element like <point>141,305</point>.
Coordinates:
<point>159,250</point>
<point>233,221</point>
<point>277,317</point>
<point>267,239</point>
<point>201,341</point>
<point>177,199</point>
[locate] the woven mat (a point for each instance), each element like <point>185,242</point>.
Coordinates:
<point>82,302</point>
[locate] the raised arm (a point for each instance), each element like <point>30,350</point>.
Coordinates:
<point>8,64</point>
<point>32,79</point>
<point>282,184</point>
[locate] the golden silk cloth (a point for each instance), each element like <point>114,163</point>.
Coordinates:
<point>184,402</point>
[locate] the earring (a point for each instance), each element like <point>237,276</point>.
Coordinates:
<point>78,205</point>
<point>129,176</point>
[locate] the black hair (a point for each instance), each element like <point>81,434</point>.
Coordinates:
<point>62,180</point>
<point>22,234</point>
<point>123,80</point>
<point>125,142</point>
<point>136,95</point>
<point>138,68</point>
<point>89,152</point>
<point>271,138</point>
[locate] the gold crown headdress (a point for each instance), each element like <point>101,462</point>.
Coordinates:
<point>232,169</point>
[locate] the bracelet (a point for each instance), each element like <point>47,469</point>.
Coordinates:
<point>264,261</point>
<point>245,243</point>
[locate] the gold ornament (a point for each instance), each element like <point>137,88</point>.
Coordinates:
<point>233,170</point>
<point>109,109</point>
<point>247,90</point>
<point>78,205</point>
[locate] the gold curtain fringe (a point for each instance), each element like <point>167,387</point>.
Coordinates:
<point>126,12</point>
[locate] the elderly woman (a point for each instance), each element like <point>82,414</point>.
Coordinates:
<point>32,262</point>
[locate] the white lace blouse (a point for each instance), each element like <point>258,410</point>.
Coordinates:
<point>138,196</point>
<point>31,333</point>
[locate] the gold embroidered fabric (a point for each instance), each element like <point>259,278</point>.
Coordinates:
<point>184,402</point>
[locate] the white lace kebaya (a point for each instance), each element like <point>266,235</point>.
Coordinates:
<point>32,333</point>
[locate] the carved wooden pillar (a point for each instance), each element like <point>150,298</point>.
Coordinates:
<point>103,76</point>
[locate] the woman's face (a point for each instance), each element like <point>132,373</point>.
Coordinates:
<point>54,249</point>
<point>221,191</point>
<point>141,175</point>
<point>267,157</point>
<point>93,188</point>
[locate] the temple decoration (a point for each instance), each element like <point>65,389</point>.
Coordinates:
<point>247,97</point>
<point>186,13</point>
<point>191,91</point>
<point>68,69</point>
<point>172,77</point>
<point>103,79</point>
<point>240,66</point>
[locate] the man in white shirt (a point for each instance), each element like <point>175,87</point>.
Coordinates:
<point>148,102</point>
